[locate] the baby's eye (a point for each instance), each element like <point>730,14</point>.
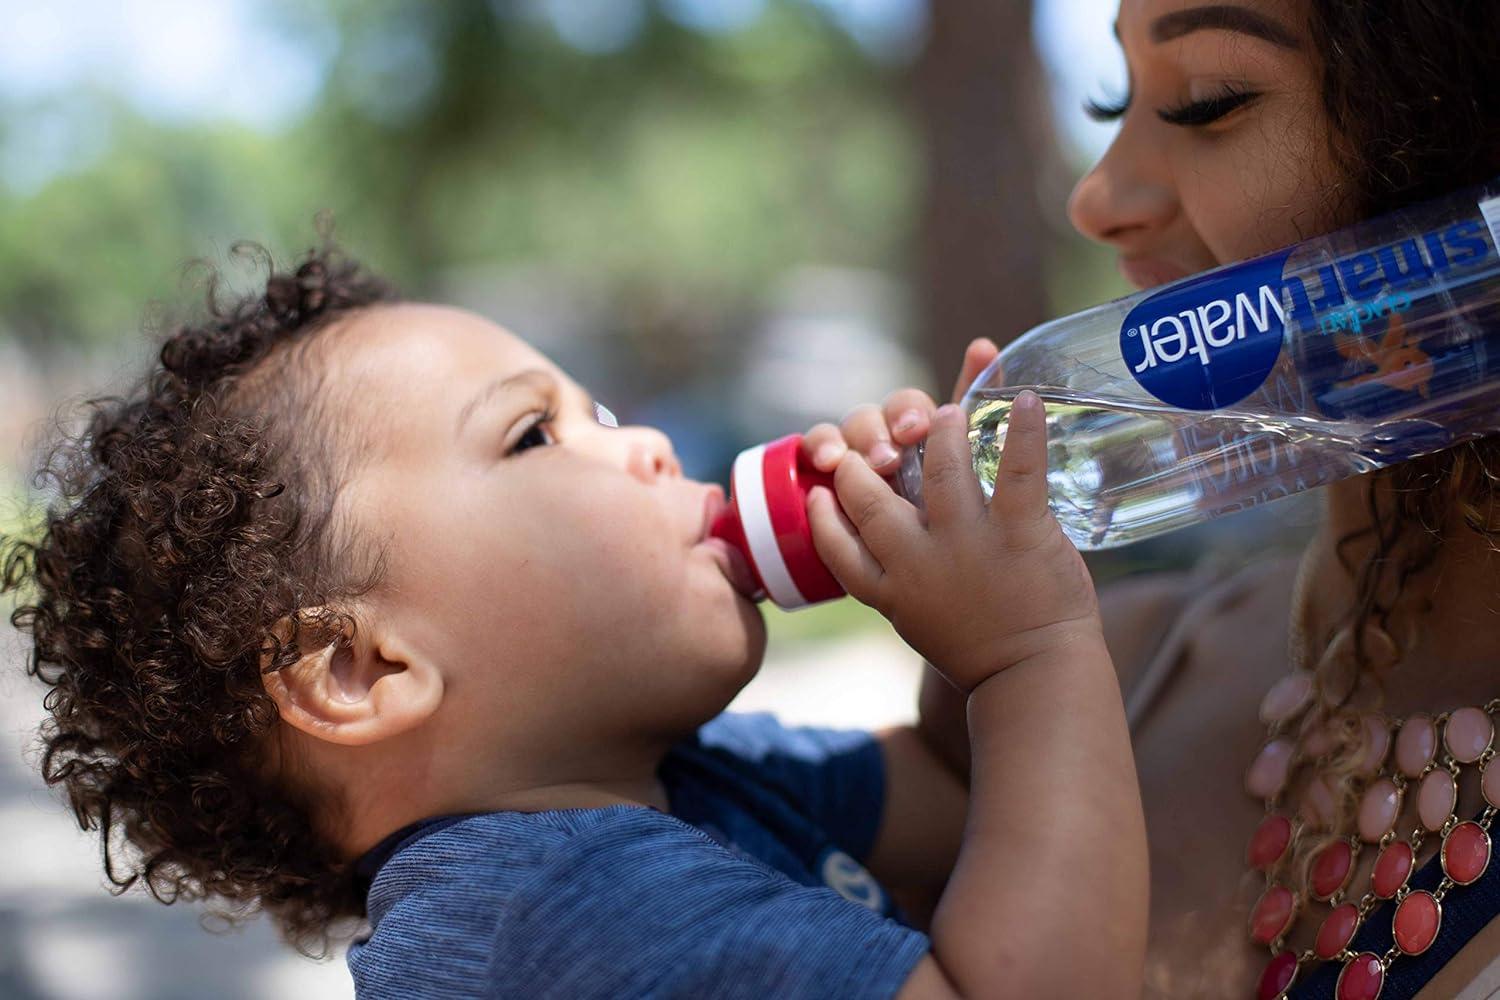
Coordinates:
<point>536,435</point>
<point>604,416</point>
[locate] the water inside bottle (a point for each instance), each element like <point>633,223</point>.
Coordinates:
<point>1118,472</point>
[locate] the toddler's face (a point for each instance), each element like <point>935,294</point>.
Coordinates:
<point>549,564</point>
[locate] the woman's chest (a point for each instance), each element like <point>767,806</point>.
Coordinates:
<point>1191,753</point>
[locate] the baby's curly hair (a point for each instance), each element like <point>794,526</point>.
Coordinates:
<point>189,518</point>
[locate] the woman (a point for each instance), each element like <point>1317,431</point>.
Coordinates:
<point>1249,126</point>
<point>1285,707</point>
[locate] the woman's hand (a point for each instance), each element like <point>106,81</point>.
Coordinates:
<point>880,432</point>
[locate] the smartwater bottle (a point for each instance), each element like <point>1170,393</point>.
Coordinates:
<point>1220,392</point>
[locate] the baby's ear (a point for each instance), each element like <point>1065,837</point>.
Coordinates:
<point>348,685</point>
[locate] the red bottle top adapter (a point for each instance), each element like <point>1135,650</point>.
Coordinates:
<point>766,519</point>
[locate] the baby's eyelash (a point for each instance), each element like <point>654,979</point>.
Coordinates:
<point>539,424</point>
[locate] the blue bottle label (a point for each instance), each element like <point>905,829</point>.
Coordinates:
<point>1376,332</point>
<point>1212,340</point>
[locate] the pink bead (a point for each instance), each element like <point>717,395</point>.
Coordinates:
<point>1466,852</point>
<point>1330,869</point>
<point>1317,802</point>
<point>1287,697</point>
<point>1392,869</point>
<point>1337,931</point>
<point>1362,978</point>
<point>1272,914</point>
<point>1269,842</point>
<point>1268,772</point>
<point>1489,784</point>
<point>1377,743</point>
<point>1278,976</point>
<point>1468,734</point>
<point>1378,809</point>
<point>1415,745</point>
<point>1435,799</point>
<point>1416,922</point>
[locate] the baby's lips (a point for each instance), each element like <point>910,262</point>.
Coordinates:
<point>737,570</point>
<point>724,534</point>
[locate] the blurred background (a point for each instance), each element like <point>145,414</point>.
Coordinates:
<point>728,218</point>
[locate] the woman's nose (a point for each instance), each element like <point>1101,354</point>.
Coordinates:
<point>649,455</point>
<point>1126,198</point>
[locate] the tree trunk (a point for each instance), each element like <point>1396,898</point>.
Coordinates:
<point>984,115</point>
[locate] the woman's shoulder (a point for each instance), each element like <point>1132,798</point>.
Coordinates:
<point>1472,974</point>
<point>1147,616</point>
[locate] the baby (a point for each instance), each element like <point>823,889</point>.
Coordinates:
<point>363,613</point>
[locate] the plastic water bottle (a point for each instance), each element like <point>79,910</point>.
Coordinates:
<point>1220,392</point>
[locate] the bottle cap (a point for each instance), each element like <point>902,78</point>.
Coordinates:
<point>766,519</point>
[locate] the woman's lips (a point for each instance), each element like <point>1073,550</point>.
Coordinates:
<point>1149,272</point>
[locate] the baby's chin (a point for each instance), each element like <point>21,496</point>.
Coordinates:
<point>712,684</point>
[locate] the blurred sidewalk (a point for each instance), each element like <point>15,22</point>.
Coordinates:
<point>63,937</point>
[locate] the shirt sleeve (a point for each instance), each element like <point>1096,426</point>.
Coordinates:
<point>651,907</point>
<point>837,776</point>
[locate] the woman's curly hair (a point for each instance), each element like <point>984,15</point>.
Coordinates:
<point>189,517</point>
<point>1408,91</point>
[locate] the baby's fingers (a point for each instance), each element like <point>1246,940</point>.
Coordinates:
<point>886,523</point>
<point>976,359</point>
<point>949,486</point>
<point>824,445</point>
<point>1020,497</point>
<point>908,414</point>
<point>840,547</point>
<point>865,428</point>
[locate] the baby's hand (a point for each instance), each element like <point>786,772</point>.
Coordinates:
<point>974,588</point>
<point>879,432</point>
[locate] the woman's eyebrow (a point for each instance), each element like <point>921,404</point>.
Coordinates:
<point>1221,17</point>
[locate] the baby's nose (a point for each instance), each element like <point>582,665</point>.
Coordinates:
<point>651,456</point>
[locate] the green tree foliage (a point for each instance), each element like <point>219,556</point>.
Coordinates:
<point>465,133</point>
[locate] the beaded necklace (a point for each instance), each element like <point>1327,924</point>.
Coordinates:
<point>1422,753</point>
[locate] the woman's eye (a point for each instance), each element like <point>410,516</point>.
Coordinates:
<point>535,436</point>
<point>1107,110</point>
<point>1208,110</point>
<point>1194,113</point>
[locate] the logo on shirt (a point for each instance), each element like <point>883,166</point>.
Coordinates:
<point>849,879</point>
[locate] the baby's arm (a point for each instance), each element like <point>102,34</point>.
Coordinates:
<point>1049,894</point>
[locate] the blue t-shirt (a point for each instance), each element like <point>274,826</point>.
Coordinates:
<point>753,886</point>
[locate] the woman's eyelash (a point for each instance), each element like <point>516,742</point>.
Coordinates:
<point>1102,112</point>
<point>537,426</point>
<point>1204,112</point>
<point>1208,110</point>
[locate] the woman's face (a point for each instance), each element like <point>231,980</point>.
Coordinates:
<point>1223,149</point>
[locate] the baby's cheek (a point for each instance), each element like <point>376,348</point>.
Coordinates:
<point>627,548</point>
